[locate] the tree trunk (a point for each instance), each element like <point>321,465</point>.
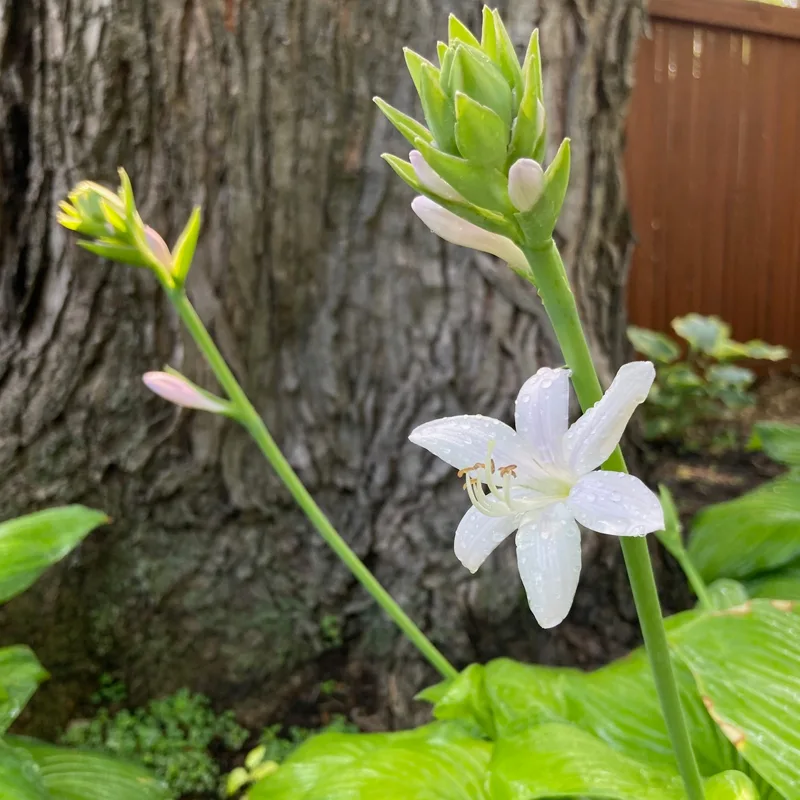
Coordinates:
<point>346,320</point>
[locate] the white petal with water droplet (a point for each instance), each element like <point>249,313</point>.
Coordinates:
<point>549,560</point>
<point>464,441</point>
<point>592,439</point>
<point>478,535</point>
<point>542,414</point>
<point>615,503</point>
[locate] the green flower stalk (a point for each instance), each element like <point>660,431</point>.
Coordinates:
<point>111,227</point>
<point>477,168</point>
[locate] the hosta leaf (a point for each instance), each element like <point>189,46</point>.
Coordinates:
<point>702,333</point>
<point>20,675</point>
<point>783,584</point>
<point>779,440</point>
<point>30,544</point>
<point>652,344</point>
<point>746,663</point>
<point>555,760</point>
<point>437,762</point>
<point>731,785</point>
<point>757,532</point>
<point>726,593</point>
<point>19,776</point>
<point>80,775</point>
<point>730,375</point>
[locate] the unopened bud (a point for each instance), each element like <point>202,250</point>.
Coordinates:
<point>525,183</point>
<point>453,229</point>
<point>181,392</point>
<point>158,247</point>
<point>431,180</point>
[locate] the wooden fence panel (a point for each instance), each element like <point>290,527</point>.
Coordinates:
<point>713,167</point>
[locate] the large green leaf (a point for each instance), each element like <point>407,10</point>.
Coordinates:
<point>779,440</point>
<point>20,675</point>
<point>436,762</point>
<point>563,761</point>
<point>81,775</point>
<point>702,333</point>
<point>30,544</point>
<point>652,344</point>
<point>19,776</point>
<point>757,532</point>
<point>746,663</point>
<point>783,584</point>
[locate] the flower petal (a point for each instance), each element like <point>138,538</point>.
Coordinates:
<point>463,441</point>
<point>549,560</point>
<point>477,536</point>
<point>431,180</point>
<point>615,503</point>
<point>453,229</point>
<point>542,414</point>
<point>182,392</point>
<point>592,439</point>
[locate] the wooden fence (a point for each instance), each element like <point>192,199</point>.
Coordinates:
<point>713,166</point>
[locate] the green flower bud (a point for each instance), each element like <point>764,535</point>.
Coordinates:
<point>477,76</point>
<point>481,135</point>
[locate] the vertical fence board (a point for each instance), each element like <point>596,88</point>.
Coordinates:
<point>713,167</point>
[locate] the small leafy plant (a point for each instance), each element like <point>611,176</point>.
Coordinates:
<point>173,736</point>
<point>30,769</point>
<point>705,386</point>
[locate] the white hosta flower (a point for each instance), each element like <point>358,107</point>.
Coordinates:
<point>431,180</point>
<point>542,479</point>
<point>453,229</point>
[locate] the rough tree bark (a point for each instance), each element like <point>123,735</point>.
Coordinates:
<point>346,320</point>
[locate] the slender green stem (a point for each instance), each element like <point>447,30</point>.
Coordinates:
<point>550,277</point>
<point>250,419</point>
<point>695,579</point>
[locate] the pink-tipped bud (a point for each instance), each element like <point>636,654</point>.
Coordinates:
<point>458,231</point>
<point>431,180</point>
<point>178,390</point>
<point>158,246</point>
<point>525,183</point>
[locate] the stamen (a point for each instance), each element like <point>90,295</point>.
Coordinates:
<point>467,470</point>
<point>510,469</point>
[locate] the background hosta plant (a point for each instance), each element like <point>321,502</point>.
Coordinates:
<point>755,539</point>
<point>31,770</point>
<point>703,386</point>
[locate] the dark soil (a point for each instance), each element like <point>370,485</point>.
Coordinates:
<point>697,480</point>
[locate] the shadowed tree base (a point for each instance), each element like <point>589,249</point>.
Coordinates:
<point>346,320</point>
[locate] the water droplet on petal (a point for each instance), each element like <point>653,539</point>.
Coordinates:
<point>616,497</point>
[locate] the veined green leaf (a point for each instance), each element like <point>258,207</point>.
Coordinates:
<point>746,663</point>
<point>726,593</point>
<point>782,584</point>
<point>81,775</point>
<point>555,760</point>
<point>757,532</point>
<point>779,440</point>
<point>436,762</point>
<point>730,375</point>
<point>30,544</point>
<point>19,777</point>
<point>20,675</point>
